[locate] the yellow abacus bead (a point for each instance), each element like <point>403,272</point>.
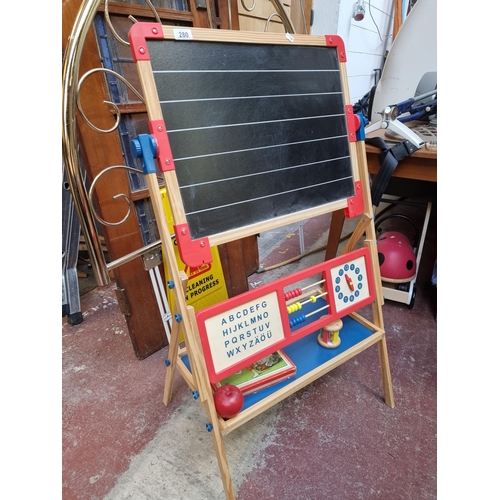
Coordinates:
<point>313,299</point>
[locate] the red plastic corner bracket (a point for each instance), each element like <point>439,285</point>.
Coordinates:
<point>137,38</point>
<point>164,153</point>
<point>193,253</point>
<point>353,122</point>
<point>355,204</point>
<point>336,41</point>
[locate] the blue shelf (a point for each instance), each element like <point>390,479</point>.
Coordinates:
<point>307,355</point>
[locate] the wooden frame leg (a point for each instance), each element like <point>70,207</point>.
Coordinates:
<point>220,451</point>
<point>172,361</point>
<point>357,233</point>
<point>386,372</point>
<point>173,349</point>
<point>201,379</point>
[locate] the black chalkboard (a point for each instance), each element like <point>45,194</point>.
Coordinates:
<point>256,131</point>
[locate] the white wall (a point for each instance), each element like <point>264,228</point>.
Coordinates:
<point>326,17</point>
<point>365,45</point>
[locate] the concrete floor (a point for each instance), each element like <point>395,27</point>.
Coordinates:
<point>334,439</point>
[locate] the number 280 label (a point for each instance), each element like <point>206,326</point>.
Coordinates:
<point>183,34</point>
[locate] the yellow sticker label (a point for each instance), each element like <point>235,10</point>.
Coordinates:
<point>206,285</point>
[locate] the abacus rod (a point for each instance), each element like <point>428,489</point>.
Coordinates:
<point>315,297</point>
<point>313,284</point>
<point>296,306</point>
<point>298,291</point>
<point>316,311</point>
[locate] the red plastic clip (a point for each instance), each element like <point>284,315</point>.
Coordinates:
<point>193,253</point>
<point>336,41</point>
<point>137,38</point>
<point>352,122</point>
<point>158,130</point>
<point>355,204</point>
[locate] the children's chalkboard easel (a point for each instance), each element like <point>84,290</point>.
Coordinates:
<point>253,131</point>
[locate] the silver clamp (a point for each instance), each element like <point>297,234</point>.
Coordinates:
<point>390,121</point>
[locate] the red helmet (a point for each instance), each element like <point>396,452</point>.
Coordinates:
<point>396,257</point>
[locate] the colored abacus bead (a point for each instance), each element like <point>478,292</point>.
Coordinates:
<point>294,307</point>
<point>298,305</point>
<point>293,293</point>
<point>298,320</point>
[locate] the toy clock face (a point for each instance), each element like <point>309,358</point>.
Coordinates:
<point>350,283</point>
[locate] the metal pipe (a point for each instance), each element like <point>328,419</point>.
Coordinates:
<point>280,9</point>
<point>132,255</point>
<point>71,65</point>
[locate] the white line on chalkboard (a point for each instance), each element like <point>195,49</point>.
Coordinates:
<point>261,147</point>
<point>302,188</point>
<point>300,165</point>
<point>246,71</point>
<point>255,123</point>
<point>249,97</point>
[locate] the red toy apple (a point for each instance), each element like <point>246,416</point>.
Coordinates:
<point>228,400</point>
